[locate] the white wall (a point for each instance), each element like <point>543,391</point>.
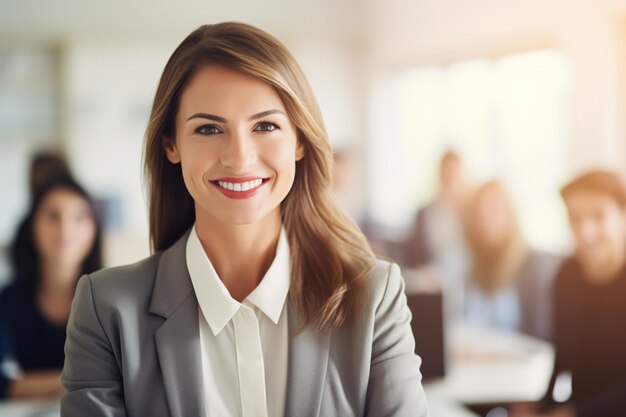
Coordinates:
<point>108,90</point>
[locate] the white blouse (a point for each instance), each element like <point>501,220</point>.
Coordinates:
<point>244,345</point>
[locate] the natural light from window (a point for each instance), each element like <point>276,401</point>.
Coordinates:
<point>507,119</point>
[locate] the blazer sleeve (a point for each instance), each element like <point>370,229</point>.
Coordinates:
<point>91,374</point>
<point>395,383</point>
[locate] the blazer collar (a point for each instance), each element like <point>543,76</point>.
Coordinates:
<point>172,284</point>
<point>178,338</point>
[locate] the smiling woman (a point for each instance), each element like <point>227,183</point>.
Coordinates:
<point>256,267</point>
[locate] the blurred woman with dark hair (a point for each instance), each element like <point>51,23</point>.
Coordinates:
<point>58,241</point>
<point>508,287</point>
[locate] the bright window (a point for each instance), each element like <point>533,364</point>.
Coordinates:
<point>507,119</point>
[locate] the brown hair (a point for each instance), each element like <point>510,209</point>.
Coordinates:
<point>330,257</point>
<point>493,268</point>
<point>600,182</point>
<point>449,156</point>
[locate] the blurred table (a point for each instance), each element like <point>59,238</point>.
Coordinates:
<point>486,369</point>
<point>31,408</point>
<point>489,367</point>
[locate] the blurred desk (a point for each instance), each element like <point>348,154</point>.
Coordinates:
<point>441,403</point>
<point>33,408</point>
<point>487,369</point>
<point>490,367</point>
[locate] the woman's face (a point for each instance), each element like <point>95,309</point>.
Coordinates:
<point>64,229</point>
<point>236,146</point>
<point>493,218</point>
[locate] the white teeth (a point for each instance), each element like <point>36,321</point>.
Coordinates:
<point>241,186</point>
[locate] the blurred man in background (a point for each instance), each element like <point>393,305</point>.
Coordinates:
<point>590,303</point>
<point>437,229</point>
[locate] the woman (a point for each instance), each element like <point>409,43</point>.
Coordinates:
<point>509,284</point>
<point>263,299</point>
<point>57,243</point>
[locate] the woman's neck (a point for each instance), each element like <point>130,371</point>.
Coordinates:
<point>58,280</point>
<point>240,254</point>
<point>56,290</point>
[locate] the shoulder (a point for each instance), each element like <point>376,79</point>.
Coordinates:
<point>129,282</point>
<point>9,292</point>
<point>568,271</point>
<point>385,279</point>
<point>539,257</point>
<point>12,298</point>
<point>569,283</point>
<point>542,266</point>
<point>126,275</point>
<point>425,210</point>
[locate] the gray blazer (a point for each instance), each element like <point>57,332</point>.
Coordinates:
<point>133,349</point>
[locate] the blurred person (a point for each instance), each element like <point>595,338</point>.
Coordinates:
<point>264,298</point>
<point>57,242</point>
<point>508,284</point>
<point>346,185</point>
<point>46,166</point>
<point>590,302</point>
<point>437,229</point>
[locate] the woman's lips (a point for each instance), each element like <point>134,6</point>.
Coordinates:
<point>237,188</point>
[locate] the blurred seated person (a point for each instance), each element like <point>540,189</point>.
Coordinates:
<point>508,284</point>
<point>437,230</point>
<point>46,166</point>
<point>590,302</point>
<point>58,241</point>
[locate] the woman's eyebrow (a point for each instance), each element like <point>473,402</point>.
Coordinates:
<point>207,116</point>
<point>265,113</point>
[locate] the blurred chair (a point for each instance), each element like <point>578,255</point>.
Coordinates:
<point>427,326</point>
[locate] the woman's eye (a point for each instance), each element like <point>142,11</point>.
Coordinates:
<point>208,130</point>
<point>266,127</point>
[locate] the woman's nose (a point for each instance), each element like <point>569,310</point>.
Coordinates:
<point>239,153</point>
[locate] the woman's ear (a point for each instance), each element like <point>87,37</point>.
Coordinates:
<point>299,150</point>
<point>171,151</point>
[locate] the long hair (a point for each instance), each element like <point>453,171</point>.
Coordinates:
<point>493,268</point>
<point>25,257</point>
<point>330,257</point>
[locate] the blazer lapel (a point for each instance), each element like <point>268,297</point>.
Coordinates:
<point>178,338</point>
<point>307,362</point>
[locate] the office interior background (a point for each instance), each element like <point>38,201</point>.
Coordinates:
<point>530,93</point>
